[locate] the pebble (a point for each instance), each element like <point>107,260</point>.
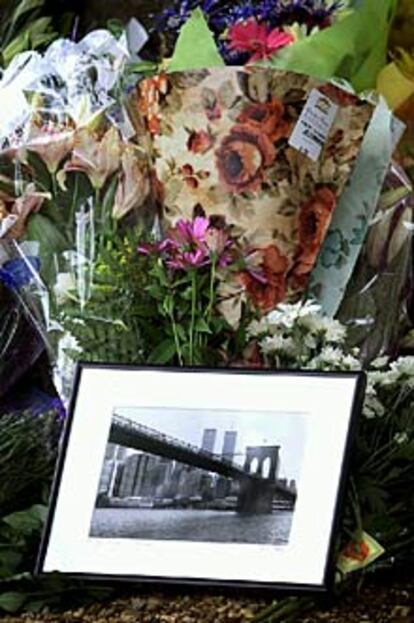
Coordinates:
<point>391,602</point>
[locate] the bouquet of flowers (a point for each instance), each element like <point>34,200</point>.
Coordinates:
<point>179,220</point>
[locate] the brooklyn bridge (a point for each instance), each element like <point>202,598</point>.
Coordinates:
<point>257,492</point>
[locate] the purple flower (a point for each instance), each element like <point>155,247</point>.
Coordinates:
<point>192,244</point>
<point>186,244</point>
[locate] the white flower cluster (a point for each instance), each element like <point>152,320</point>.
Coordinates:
<point>400,371</point>
<point>392,385</point>
<point>300,336</point>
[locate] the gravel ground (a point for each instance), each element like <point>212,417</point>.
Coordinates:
<point>383,601</point>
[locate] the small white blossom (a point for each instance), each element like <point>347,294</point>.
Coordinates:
<point>310,341</point>
<point>287,315</point>
<point>373,406</point>
<point>404,366</point>
<point>332,330</point>
<point>332,358</point>
<point>258,328</point>
<point>380,363</point>
<point>401,438</point>
<point>278,344</point>
<point>65,285</point>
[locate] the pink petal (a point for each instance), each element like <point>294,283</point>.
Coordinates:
<point>200,227</point>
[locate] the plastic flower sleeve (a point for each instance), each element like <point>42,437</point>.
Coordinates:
<point>73,177</point>
<point>375,304</point>
<point>24,309</point>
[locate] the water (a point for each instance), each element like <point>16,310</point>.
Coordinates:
<point>192,525</point>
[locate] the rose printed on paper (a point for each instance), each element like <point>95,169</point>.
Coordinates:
<point>220,148</point>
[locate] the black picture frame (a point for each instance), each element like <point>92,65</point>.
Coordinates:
<point>103,571</point>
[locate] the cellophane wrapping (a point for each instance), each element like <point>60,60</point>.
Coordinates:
<point>375,306</point>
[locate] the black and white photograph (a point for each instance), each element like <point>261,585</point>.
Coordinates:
<point>229,478</point>
<point>200,475</point>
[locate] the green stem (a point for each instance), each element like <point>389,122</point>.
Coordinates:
<point>193,313</point>
<point>55,189</point>
<point>211,296</point>
<point>73,207</point>
<point>378,457</point>
<point>176,339</point>
<point>99,219</point>
<point>97,202</point>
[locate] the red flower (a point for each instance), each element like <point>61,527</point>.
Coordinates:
<point>314,220</point>
<point>200,142</point>
<point>257,39</point>
<point>242,158</point>
<point>268,287</point>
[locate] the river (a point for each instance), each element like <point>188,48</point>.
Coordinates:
<point>192,525</point>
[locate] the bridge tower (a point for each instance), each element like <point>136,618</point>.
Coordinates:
<point>256,494</point>
<point>262,453</point>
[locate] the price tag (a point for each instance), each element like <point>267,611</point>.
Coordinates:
<point>314,124</point>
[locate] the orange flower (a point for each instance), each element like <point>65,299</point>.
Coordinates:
<point>267,287</point>
<point>313,223</point>
<point>266,118</point>
<point>242,158</point>
<point>150,93</point>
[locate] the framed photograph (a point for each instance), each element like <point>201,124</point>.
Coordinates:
<point>201,476</point>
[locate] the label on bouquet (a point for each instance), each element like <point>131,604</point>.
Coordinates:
<point>315,122</point>
<point>359,554</point>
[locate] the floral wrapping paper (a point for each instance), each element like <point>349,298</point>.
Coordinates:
<point>219,143</point>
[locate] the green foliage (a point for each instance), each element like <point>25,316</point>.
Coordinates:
<point>23,27</point>
<point>109,326</point>
<point>384,465</point>
<point>28,446</point>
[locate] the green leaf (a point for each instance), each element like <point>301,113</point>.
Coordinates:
<point>11,602</point>
<point>39,26</point>
<point>202,326</point>
<point>144,67</point>
<point>195,48</point>
<point>109,198</point>
<point>27,522</point>
<point>24,7</point>
<point>16,46</point>
<point>10,560</point>
<point>351,49</point>
<point>50,238</point>
<point>40,39</point>
<point>163,353</point>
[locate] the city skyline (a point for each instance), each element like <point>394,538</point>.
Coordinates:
<point>249,428</point>
<point>193,471</point>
